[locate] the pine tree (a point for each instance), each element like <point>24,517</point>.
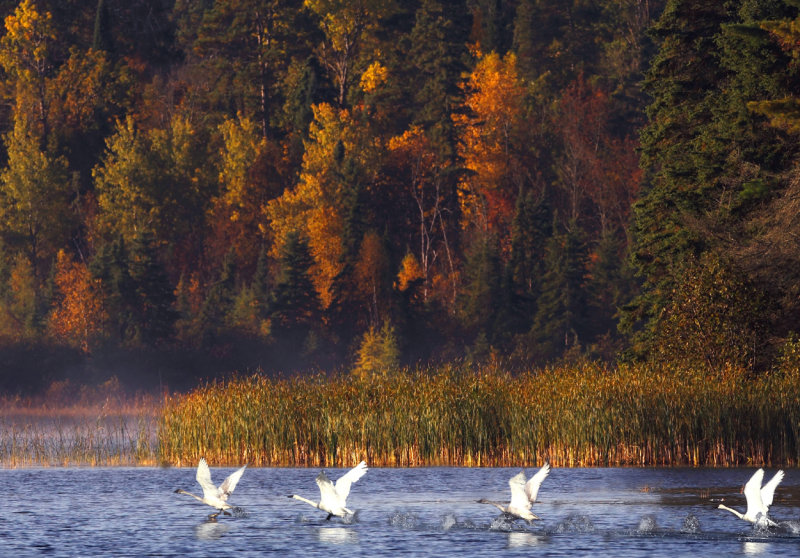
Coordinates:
<point>683,160</point>
<point>438,56</point>
<point>560,322</point>
<point>710,160</point>
<point>294,308</point>
<point>154,311</point>
<point>530,229</point>
<point>480,295</point>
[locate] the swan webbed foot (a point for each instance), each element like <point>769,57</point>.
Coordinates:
<point>329,517</point>
<point>225,512</point>
<point>213,516</point>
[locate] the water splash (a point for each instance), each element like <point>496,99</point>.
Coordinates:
<point>238,511</point>
<point>448,521</point>
<point>404,520</point>
<point>351,518</point>
<point>575,524</point>
<point>691,524</point>
<point>502,523</point>
<point>647,524</point>
<point>790,527</point>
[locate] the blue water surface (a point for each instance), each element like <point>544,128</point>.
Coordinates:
<point>620,512</point>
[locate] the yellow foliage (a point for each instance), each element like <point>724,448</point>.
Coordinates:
<point>24,49</point>
<point>410,271</point>
<point>490,134</point>
<point>315,205</point>
<point>373,77</point>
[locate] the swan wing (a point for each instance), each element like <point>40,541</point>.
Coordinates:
<point>519,499</point>
<point>752,491</point>
<point>532,486</point>
<point>768,490</point>
<point>204,479</point>
<point>328,497</point>
<point>229,484</point>
<point>345,481</point>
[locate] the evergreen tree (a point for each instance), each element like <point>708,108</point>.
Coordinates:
<point>683,159</point>
<point>294,307</point>
<point>560,322</point>
<point>438,56</point>
<point>110,265</point>
<point>103,39</point>
<point>709,158</point>
<point>214,323</point>
<point>530,229</point>
<point>154,312</point>
<point>481,293</point>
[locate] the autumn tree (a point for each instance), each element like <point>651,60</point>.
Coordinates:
<point>371,274</point>
<point>492,144</point>
<point>595,168</point>
<point>34,200</point>
<point>346,24</point>
<point>154,183</point>
<point>250,174</point>
<point>79,317</point>
<point>20,301</point>
<point>26,54</point>
<point>420,174</point>
<point>341,158</point>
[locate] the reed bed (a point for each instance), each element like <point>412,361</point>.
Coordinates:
<point>584,415</point>
<point>80,434</point>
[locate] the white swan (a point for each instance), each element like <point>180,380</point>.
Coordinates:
<point>759,499</point>
<point>333,497</point>
<point>213,496</point>
<point>523,494</point>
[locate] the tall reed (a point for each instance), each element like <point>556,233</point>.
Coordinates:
<point>101,434</point>
<point>456,415</point>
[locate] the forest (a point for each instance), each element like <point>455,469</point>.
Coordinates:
<point>193,187</point>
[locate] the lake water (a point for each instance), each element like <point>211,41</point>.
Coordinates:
<point>425,512</point>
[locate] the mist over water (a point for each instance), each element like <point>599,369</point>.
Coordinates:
<point>424,512</point>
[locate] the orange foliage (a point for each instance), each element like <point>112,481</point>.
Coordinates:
<point>79,316</point>
<point>316,205</point>
<point>410,271</point>
<point>491,140</point>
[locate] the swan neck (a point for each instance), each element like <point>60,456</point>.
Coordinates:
<point>306,500</point>
<point>498,505</point>
<point>733,511</point>
<point>195,496</point>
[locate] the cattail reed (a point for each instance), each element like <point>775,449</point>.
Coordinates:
<point>585,415</point>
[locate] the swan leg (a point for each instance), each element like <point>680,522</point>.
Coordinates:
<point>329,517</point>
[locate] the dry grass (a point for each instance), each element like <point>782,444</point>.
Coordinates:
<point>96,429</point>
<point>578,416</point>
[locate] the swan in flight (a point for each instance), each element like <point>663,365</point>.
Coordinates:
<point>213,496</point>
<point>333,497</point>
<point>523,494</point>
<point>759,499</point>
